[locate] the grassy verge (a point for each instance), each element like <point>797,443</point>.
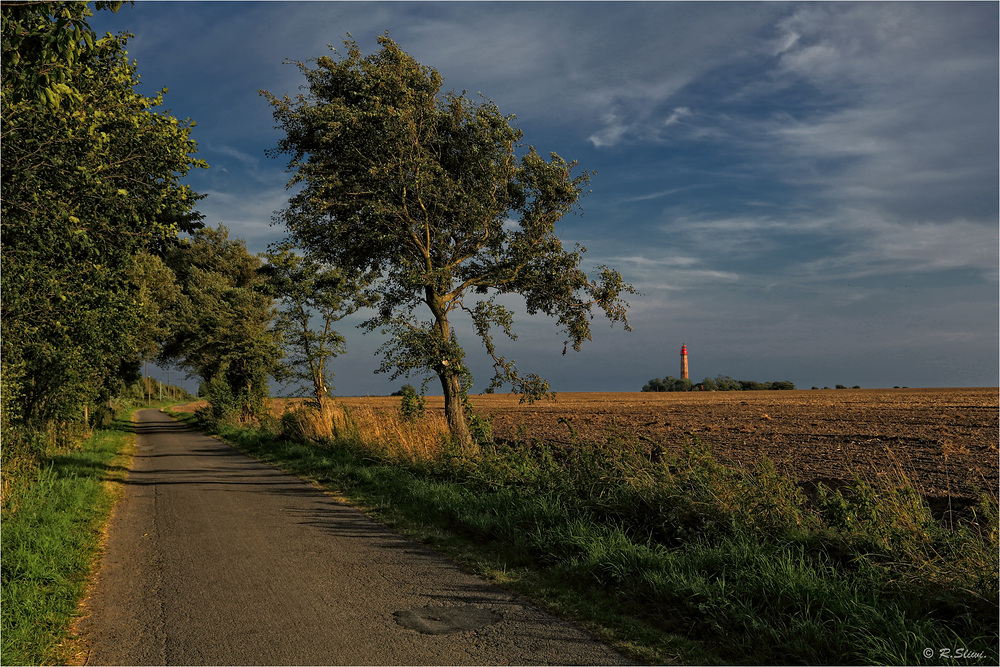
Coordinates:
<point>678,559</point>
<point>53,524</point>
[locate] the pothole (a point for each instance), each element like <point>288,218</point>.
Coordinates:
<point>445,620</point>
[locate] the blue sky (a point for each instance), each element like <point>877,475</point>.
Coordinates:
<point>801,191</point>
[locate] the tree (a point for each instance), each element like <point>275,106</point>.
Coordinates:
<point>92,177</point>
<point>433,199</point>
<point>308,289</point>
<point>221,326</point>
<point>668,383</point>
<point>726,383</point>
<point>156,292</point>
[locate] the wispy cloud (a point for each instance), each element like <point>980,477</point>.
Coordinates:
<point>905,131</point>
<point>659,194</point>
<point>881,247</point>
<point>248,161</point>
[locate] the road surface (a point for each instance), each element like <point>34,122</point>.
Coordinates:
<point>215,558</point>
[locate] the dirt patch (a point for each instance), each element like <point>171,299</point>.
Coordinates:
<point>445,620</point>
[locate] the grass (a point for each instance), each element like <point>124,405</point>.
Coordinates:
<point>671,559</point>
<point>53,520</point>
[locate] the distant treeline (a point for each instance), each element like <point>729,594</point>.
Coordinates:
<point>720,383</point>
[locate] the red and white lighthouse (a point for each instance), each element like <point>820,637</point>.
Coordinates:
<point>684,362</point>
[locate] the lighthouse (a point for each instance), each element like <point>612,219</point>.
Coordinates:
<point>684,362</point>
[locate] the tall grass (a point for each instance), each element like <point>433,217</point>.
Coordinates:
<point>25,451</point>
<point>385,433</point>
<point>674,557</point>
<point>52,527</point>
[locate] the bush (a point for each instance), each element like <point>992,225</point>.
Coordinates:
<point>787,385</point>
<point>307,422</point>
<point>101,416</point>
<point>231,405</point>
<point>412,405</point>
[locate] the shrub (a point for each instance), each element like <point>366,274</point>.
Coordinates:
<point>720,383</point>
<point>412,405</point>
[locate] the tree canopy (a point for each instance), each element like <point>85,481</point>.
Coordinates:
<point>221,324</point>
<point>92,177</point>
<point>433,198</point>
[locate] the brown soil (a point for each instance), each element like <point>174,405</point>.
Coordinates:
<point>943,440</point>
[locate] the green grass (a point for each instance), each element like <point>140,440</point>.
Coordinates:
<point>684,559</point>
<point>51,536</point>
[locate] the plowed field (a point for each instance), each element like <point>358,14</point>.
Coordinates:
<point>944,440</point>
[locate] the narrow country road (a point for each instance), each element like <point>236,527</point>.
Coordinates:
<point>215,558</point>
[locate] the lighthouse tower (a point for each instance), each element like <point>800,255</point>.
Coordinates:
<point>684,362</point>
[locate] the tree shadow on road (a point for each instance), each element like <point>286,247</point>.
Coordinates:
<point>161,427</point>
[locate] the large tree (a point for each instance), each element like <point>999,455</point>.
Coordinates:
<point>434,198</point>
<point>221,324</point>
<point>91,177</point>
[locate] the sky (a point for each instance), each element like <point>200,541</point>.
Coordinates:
<point>799,191</point>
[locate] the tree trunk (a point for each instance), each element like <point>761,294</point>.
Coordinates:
<point>447,372</point>
<point>454,411</point>
<point>319,390</point>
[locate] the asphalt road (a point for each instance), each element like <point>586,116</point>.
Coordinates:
<point>215,558</point>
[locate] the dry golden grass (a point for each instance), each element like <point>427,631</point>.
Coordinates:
<point>381,430</point>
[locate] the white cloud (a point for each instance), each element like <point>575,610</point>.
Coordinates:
<point>611,134</point>
<point>676,115</point>
<point>671,274</point>
<point>747,239</point>
<point>847,244</point>
<point>658,194</point>
<point>615,130</point>
<point>247,214</point>
<point>879,246</point>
